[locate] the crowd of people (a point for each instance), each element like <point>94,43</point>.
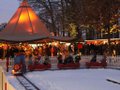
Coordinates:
<point>8,51</point>
<point>100,49</point>
<point>55,50</point>
<point>21,53</point>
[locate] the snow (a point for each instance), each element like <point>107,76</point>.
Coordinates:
<point>13,81</point>
<point>77,79</point>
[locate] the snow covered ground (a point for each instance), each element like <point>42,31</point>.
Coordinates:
<point>14,82</point>
<point>77,79</point>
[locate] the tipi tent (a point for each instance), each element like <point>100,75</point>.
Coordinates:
<point>25,25</point>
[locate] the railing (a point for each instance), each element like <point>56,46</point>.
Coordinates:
<point>4,84</point>
<point>111,61</point>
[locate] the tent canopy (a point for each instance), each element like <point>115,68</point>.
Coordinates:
<point>25,25</point>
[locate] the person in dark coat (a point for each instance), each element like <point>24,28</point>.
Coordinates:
<point>16,57</point>
<point>1,52</point>
<point>22,58</point>
<point>60,59</point>
<point>77,58</point>
<point>68,59</point>
<point>94,58</point>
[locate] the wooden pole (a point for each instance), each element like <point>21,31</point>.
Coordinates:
<point>5,86</point>
<point>7,64</point>
<point>2,80</point>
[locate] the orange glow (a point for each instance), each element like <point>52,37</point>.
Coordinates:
<point>23,17</point>
<point>32,15</point>
<point>13,20</point>
<point>17,67</point>
<point>13,71</point>
<point>29,30</point>
<point>15,17</point>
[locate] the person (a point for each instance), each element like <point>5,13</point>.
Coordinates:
<point>30,61</point>
<point>1,52</point>
<point>77,58</point>
<point>68,57</point>
<point>104,59</point>
<point>16,57</point>
<point>22,58</point>
<point>37,56</point>
<point>60,59</point>
<point>46,61</point>
<point>94,58</point>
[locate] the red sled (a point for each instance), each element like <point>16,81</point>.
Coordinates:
<point>69,66</point>
<point>39,67</point>
<point>96,65</point>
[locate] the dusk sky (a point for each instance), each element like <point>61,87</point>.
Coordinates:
<point>7,9</point>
